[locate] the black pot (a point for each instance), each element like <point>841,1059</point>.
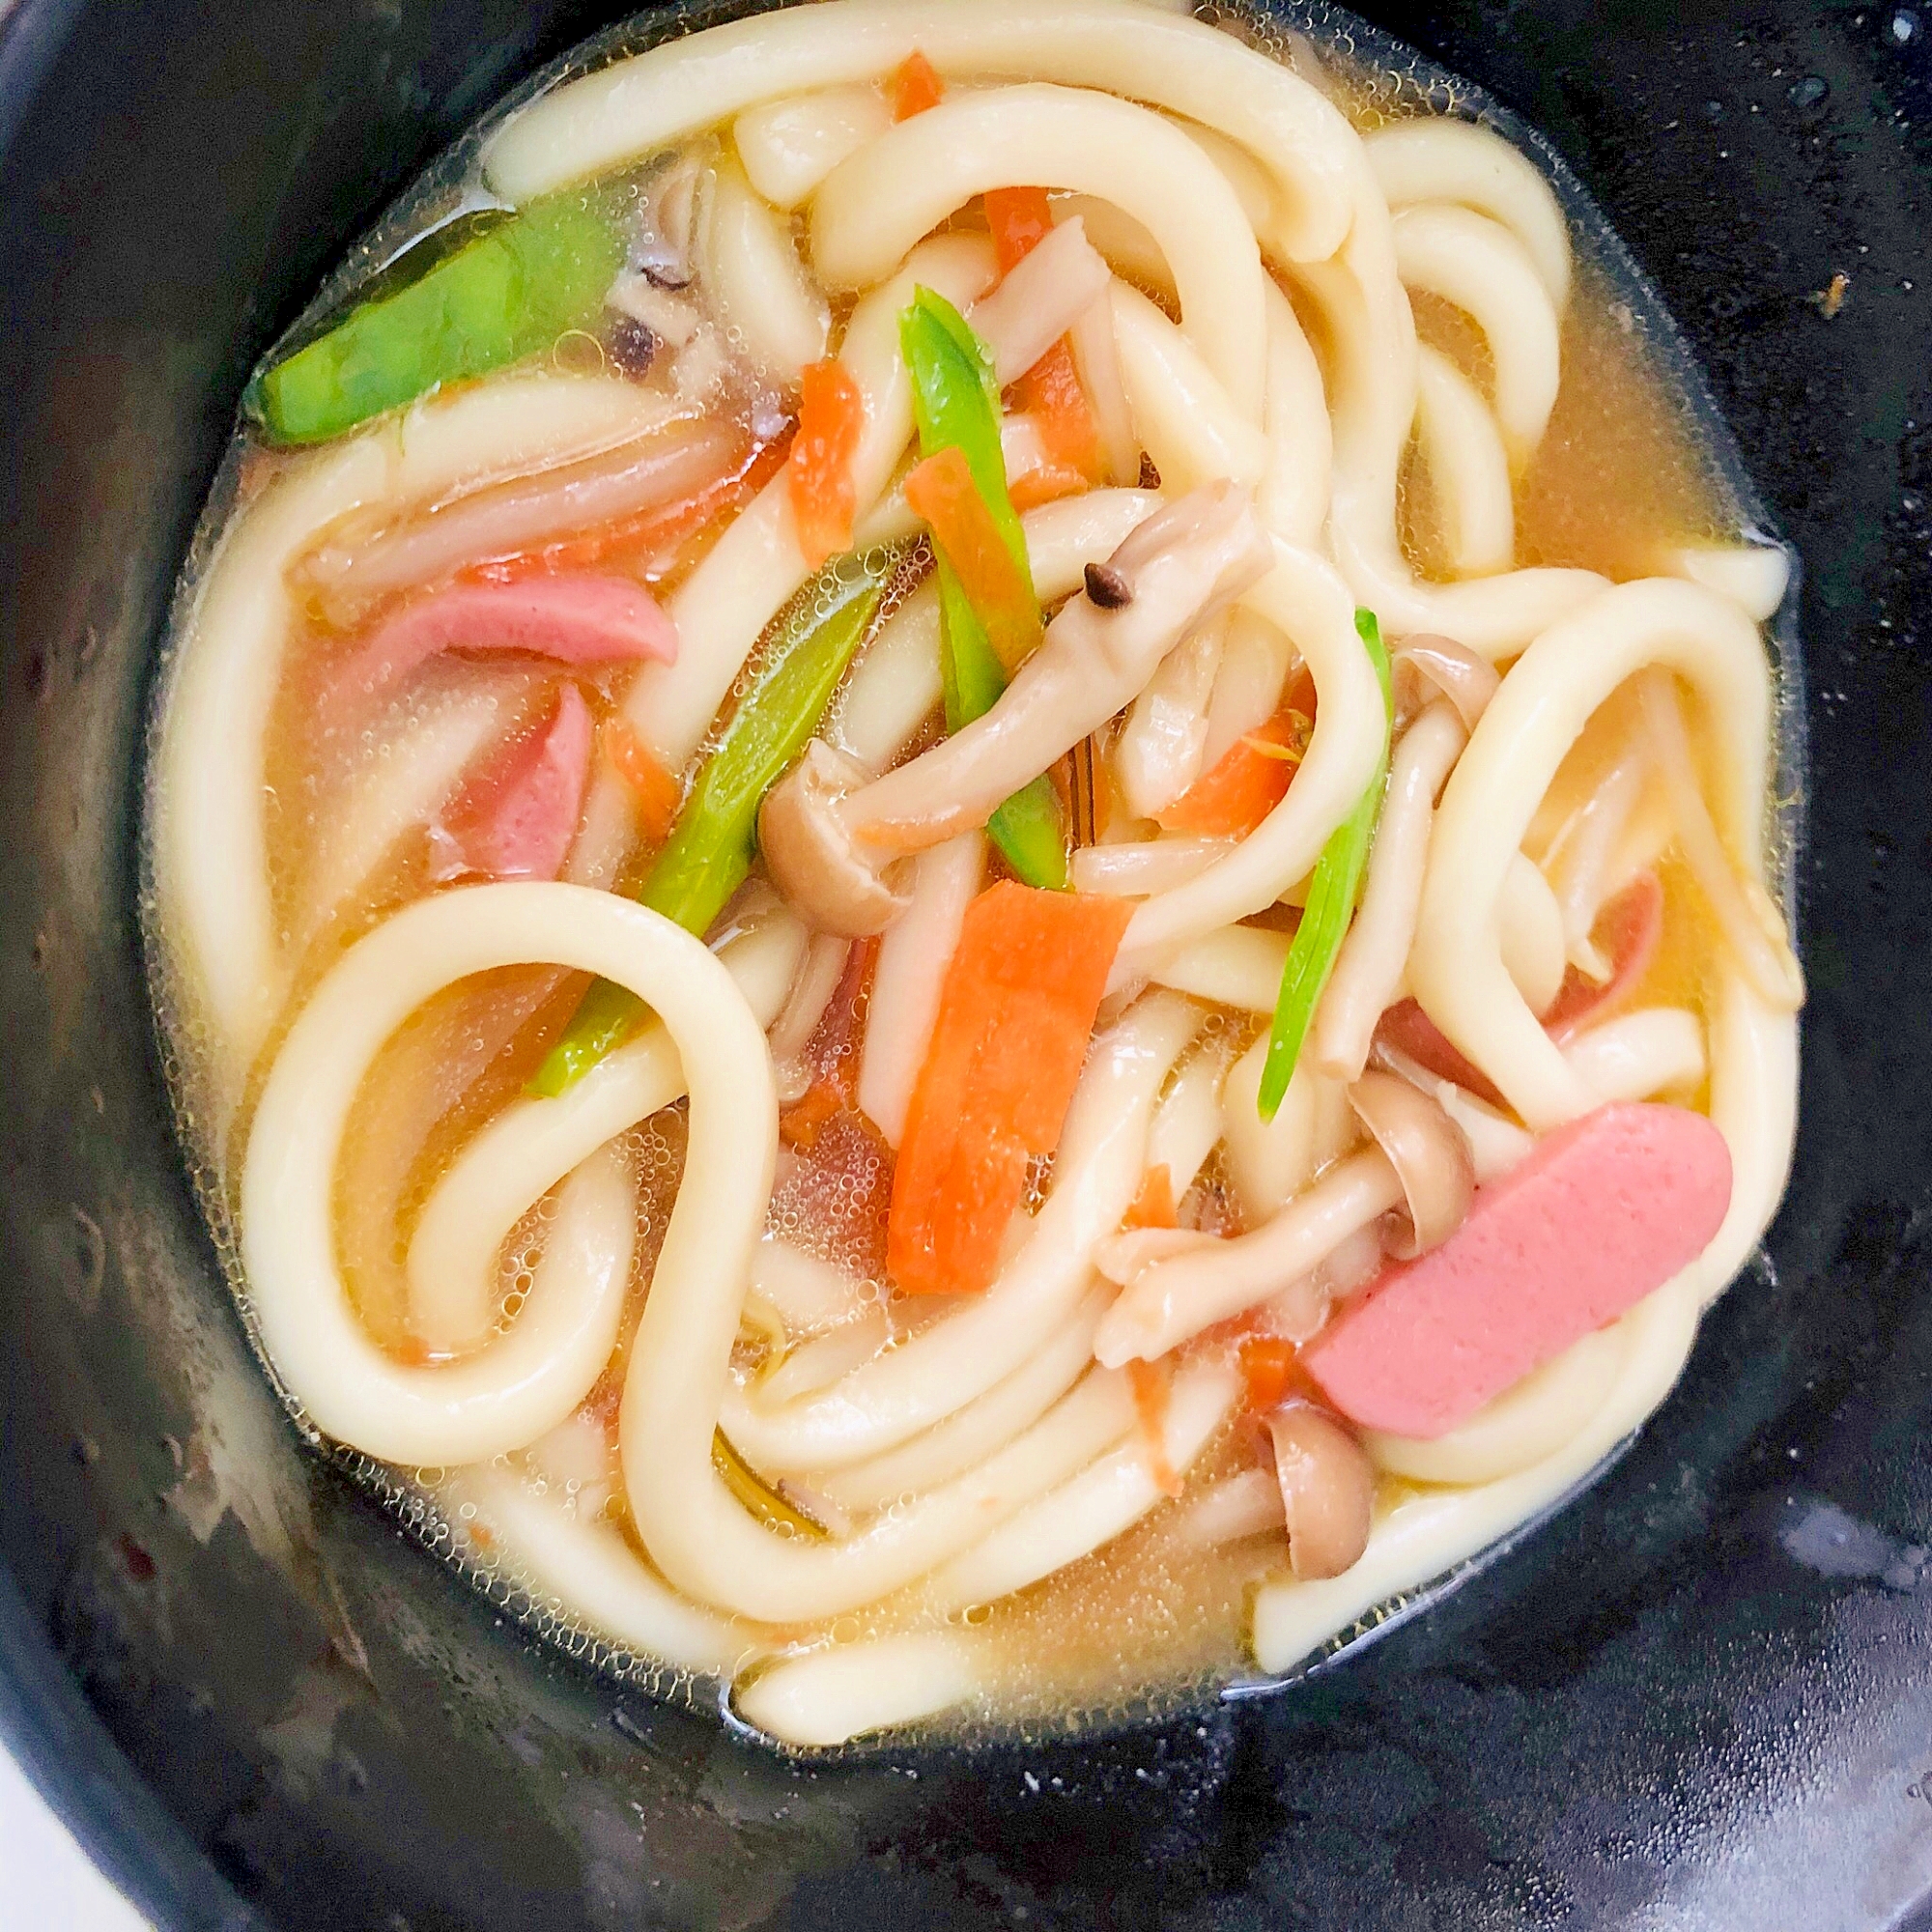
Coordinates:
<point>1699,1697</point>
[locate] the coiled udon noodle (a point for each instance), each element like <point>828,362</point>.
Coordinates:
<point>989,1448</point>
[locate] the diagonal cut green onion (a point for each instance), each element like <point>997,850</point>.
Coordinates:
<point>1331,903</point>
<point>956,403</point>
<point>710,848</point>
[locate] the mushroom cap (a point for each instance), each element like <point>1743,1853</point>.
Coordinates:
<point>1327,1489</point>
<point>1426,667</point>
<point>1430,1158</point>
<point>828,877</point>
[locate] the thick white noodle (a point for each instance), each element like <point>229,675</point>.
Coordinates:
<point>1435,158</point>
<point>1138,866</point>
<point>410,780</point>
<point>913,959</point>
<point>830,1696</point>
<point>1529,930</point>
<point>750,269</point>
<point>1478,265</point>
<point>789,146</point>
<point>1096,1173</point>
<point>1542,706</point>
<point>586,1572</point>
<point>1521,1426</point>
<point>1369,970</point>
<point>532,1377</point>
<point>872,208</point>
<point>1183,415</point>
<point>1238,966</point>
<point>1372,398</point>
<point>970,1435</point>
<point>638,105</point>
<point>1255,660</point>
<point>895,687</point>
<point>502,1172</point>
<point>1639,1055</point>
<point>1584,848</point>
<point>1160,750</point>
<point>1469,466</point>
<point>1292,499</point>
<point>1754,576</point>
<point>1096,1505</point>
<point>805,1291</point>
<point>1188,1121</point>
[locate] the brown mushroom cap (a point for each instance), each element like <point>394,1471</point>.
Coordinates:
<point>1430,1154</point>
<point>1327,1489</point>
<point>812,856</point>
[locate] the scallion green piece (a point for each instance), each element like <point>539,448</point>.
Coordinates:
<point>507,295</point>
<point>710,848</point>
<point>956,403</point>
<point>1331,903</point>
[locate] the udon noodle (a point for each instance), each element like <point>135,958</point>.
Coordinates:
<point>956,919</point>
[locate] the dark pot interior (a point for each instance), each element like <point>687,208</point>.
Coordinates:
<point>1699,1697</point>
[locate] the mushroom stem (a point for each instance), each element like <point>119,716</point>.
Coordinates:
<point>827,838</point>
<point>1175,569</point>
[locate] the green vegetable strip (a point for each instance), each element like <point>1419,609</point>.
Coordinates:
<point>709,851</point>
<point>1331,904</point>
<point>497,299</point>
<point>956,403</point>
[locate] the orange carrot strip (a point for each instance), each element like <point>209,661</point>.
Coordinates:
<point>942,491</point>
<point>1019,218</point>
<point>1250,779</point>
<point>653,790</point>
<point>831,416</point>
<point>1051,389</point>
<point>1150,1383</point>
<point>1015,1013</point>
<point>1045,483</point>
<point>800,1123</point>
<point>915,87</point>
<point>1153,1206</point>
<point>1268,1371</point>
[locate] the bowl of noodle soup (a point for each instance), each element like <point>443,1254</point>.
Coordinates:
<point>967,851</point>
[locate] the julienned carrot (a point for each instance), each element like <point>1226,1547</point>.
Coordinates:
<point>1150,1383</point>
<point>1051,390</point>
<point>1045,483</point>
<point>1016,1013</point>
<point>1019,218</point>
<point>1249,781</point>
<point>1153,1206</point>
<point>1268,1371</point>
<point>915,87</point>
<point>654,791</point>
<point>943,492</point>
<point>831,417</point>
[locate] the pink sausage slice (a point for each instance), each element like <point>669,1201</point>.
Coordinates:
<point>573,617</point>
<point>1602,1212</point>
<point>517,816</point>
